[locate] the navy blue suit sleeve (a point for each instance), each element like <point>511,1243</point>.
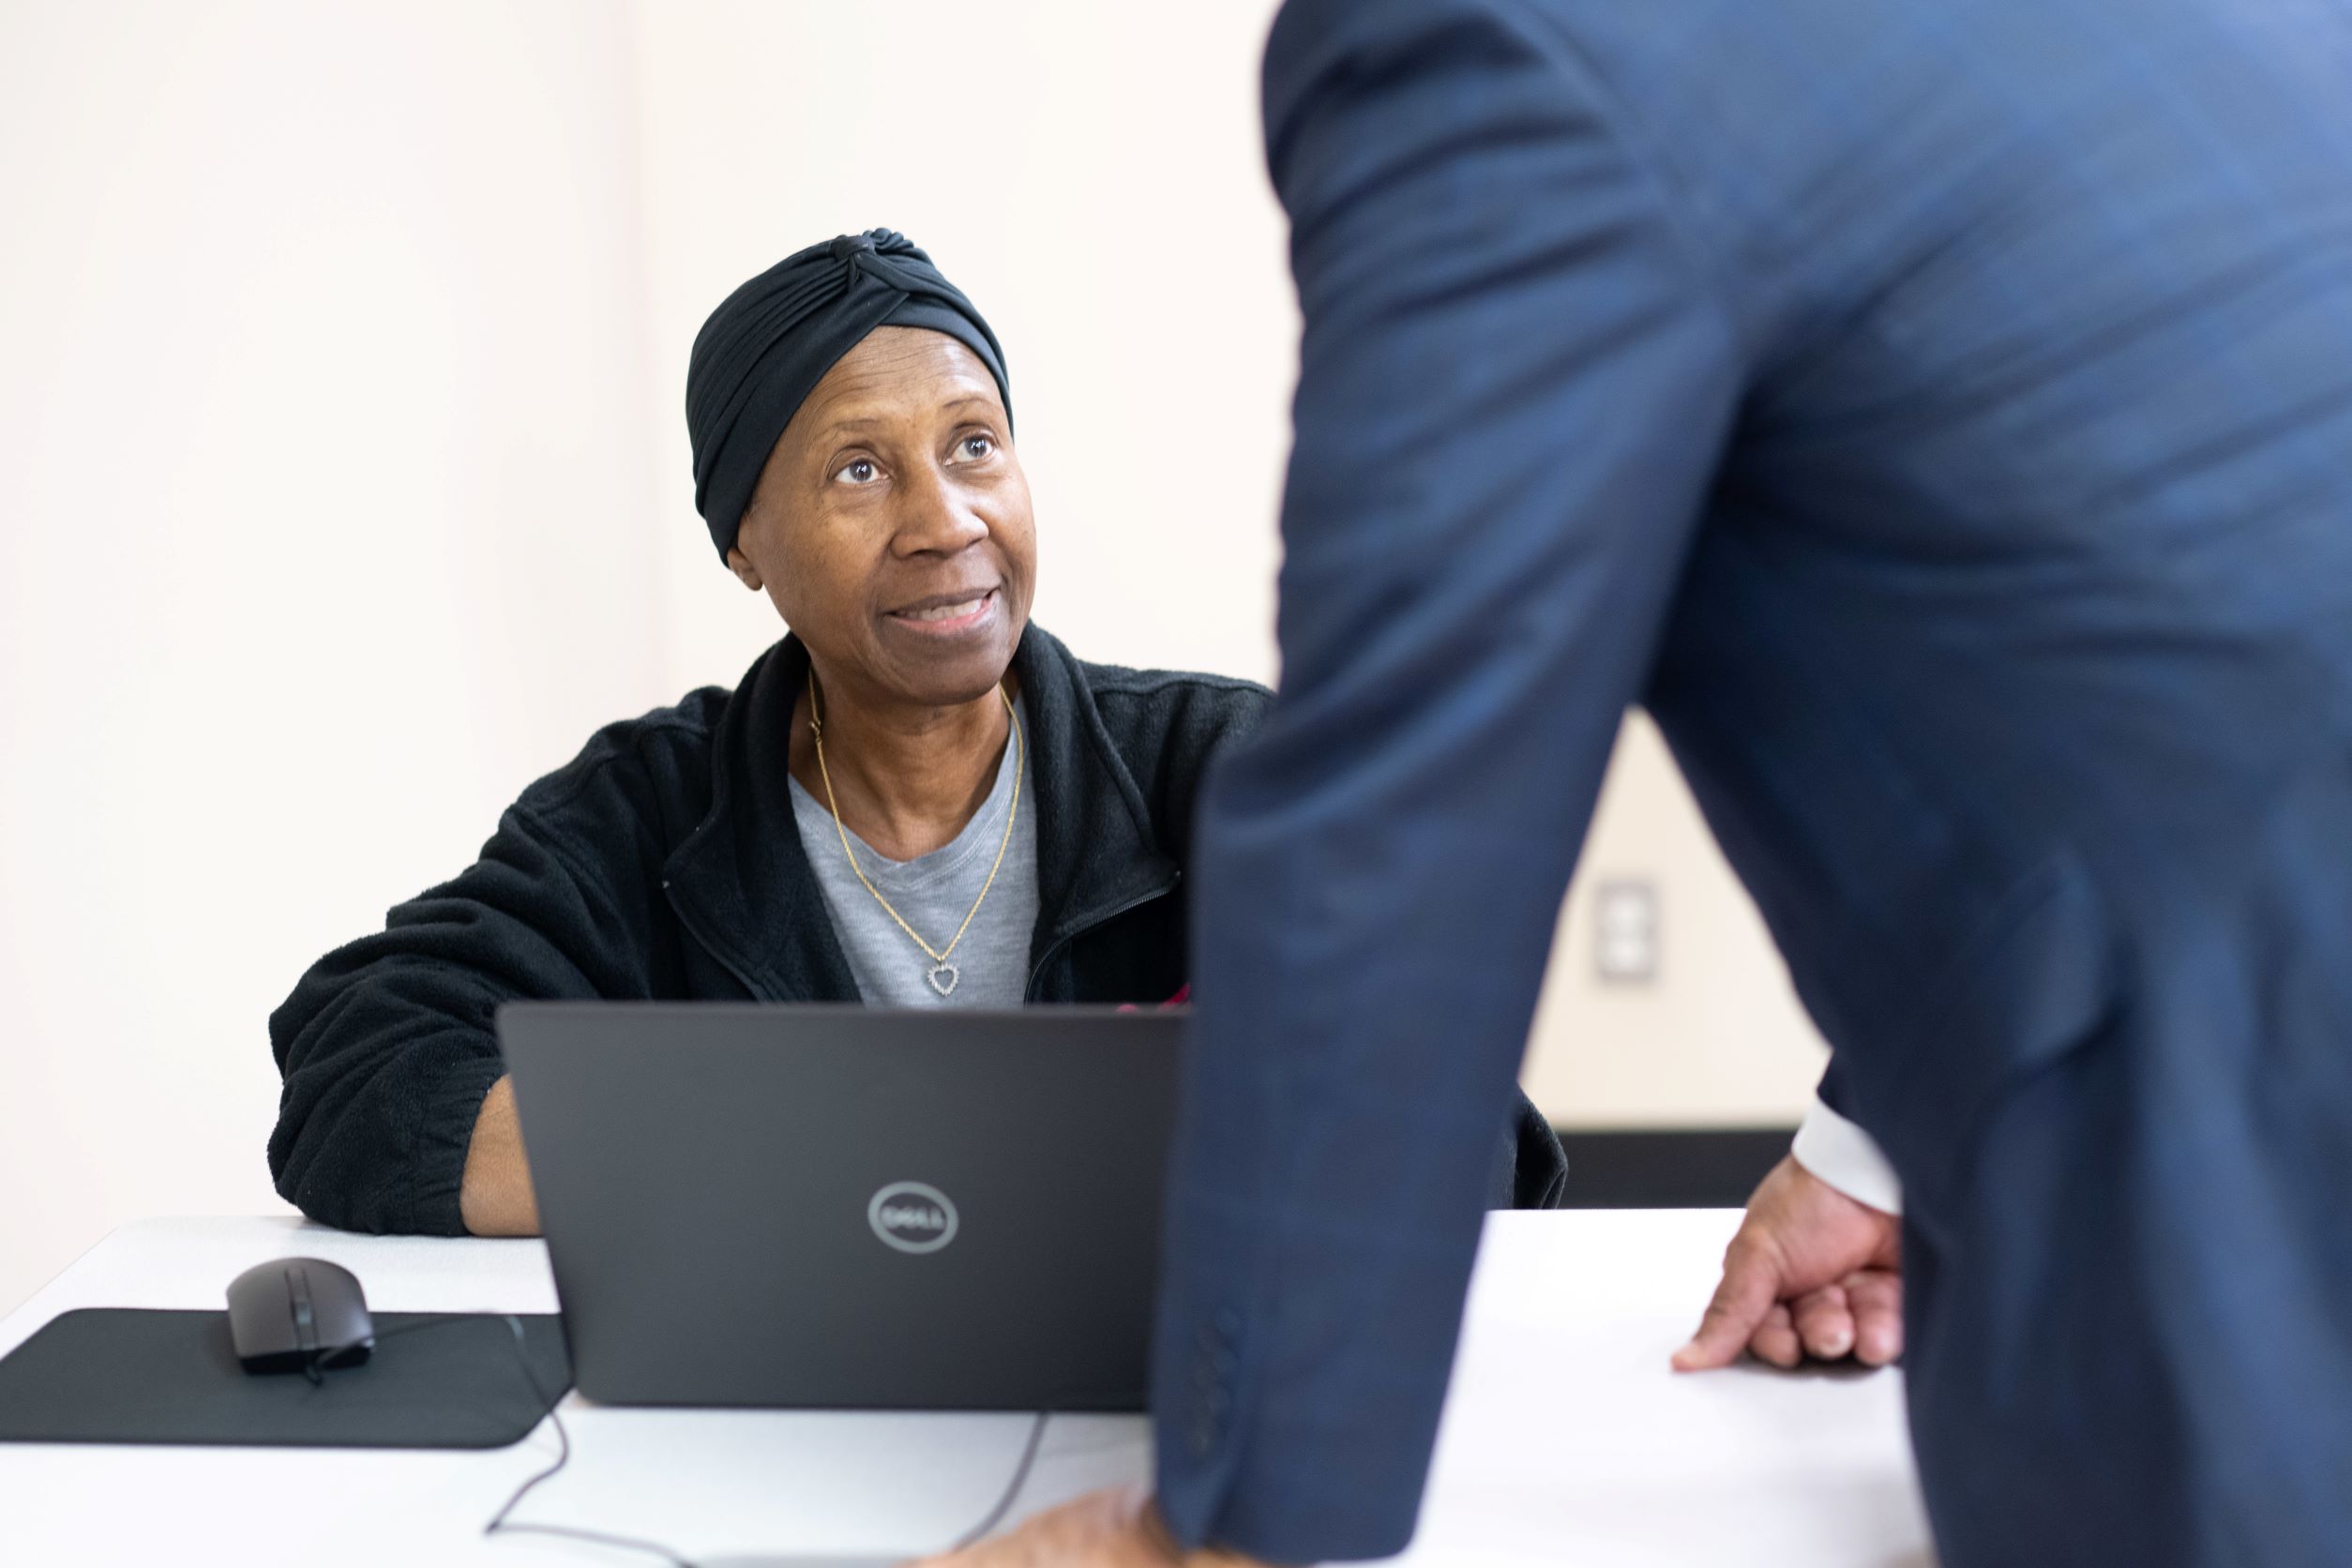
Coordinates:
<point>1832,1093</point>
<point>1516,383</point>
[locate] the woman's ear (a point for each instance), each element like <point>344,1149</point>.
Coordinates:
<point>740,564</point>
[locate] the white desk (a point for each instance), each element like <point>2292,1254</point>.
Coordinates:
<point>1566,1439</point>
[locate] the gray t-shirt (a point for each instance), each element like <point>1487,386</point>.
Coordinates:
<point>933,893</point>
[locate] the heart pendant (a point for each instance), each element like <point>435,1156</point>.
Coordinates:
<point>943,978</point>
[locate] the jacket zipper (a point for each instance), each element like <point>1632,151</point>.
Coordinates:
<point>1037,972</point>
<point>711,947</point>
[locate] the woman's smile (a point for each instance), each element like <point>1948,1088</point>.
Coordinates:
<point>945,614</point>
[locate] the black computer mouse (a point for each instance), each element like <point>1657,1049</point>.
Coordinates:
<point>296,1313</point>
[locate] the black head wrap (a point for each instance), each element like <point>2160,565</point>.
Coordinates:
<point>768,344</point>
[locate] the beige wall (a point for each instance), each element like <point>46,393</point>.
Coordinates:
<point>1718,1039</point>
<point>341,358</point>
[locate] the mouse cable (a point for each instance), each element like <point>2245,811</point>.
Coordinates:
<point>563,1456</point>
<point>499,1523</point>
<point>1012,1487</point>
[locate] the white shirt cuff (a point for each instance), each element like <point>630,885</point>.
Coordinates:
<point>1844,1155</point>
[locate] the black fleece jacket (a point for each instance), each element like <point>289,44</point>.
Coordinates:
<point>663,863</point>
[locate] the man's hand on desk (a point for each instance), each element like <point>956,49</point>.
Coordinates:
<point>1811,1271</point>
<point>1113,1529</point>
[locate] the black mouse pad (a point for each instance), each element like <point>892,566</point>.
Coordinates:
<point>127,1376</point>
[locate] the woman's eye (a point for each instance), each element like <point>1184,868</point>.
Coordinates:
<point>858,471</point>
<point>978,446</point>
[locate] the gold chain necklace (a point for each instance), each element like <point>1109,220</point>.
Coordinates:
<point>941,975</point>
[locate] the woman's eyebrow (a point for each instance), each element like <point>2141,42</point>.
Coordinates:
<point>852,422</point>
<point>850,428</point>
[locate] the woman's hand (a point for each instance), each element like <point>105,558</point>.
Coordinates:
<point>1811,1271</point>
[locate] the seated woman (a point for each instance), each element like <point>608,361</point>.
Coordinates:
<point>916,799</point>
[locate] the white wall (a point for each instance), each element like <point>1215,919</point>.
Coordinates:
<point>346,489</point>
<point>322,531</point>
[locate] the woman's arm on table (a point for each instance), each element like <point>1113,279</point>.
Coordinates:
<point>495,1196</point>
<point>387,1046</point>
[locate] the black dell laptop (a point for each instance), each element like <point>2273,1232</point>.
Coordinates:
<point>840,1207</point>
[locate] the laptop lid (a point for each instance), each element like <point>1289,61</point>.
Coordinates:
<point>841,1207</point>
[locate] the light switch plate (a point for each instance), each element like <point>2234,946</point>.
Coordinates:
<point>1625,930</point>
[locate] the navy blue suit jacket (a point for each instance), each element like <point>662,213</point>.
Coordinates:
<point>1941,416</point>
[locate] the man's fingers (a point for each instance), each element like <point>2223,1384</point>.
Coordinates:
<point>1742,1301</point>
<point>1875,1298</point>
<point>1825,1322</point>
<point>1776,1339</point>
<point>1115,1528</point>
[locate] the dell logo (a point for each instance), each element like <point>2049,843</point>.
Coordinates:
<point>911,1217</point>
